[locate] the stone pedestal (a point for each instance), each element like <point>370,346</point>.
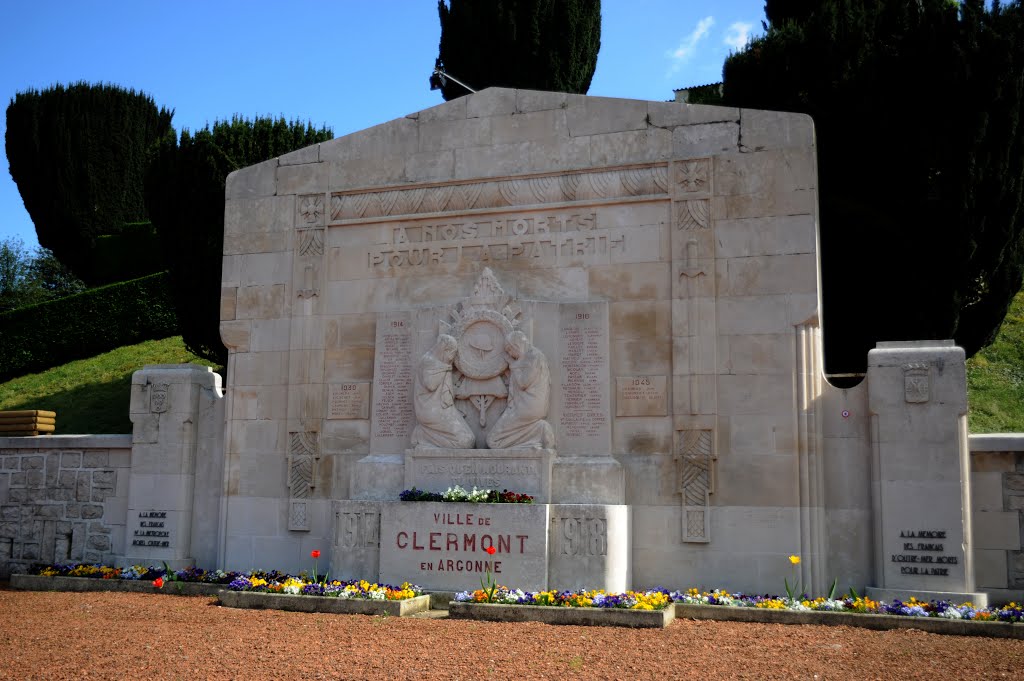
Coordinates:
<point>443,546</point>
<point>165,400</point>
<point>920,472</point>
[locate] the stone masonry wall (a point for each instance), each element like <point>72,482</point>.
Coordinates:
<point>63,499</point>
<point>997,483</point>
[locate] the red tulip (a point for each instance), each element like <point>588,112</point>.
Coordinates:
<point>314,553</point>
<point>490,550</point>
<point>158,582</point>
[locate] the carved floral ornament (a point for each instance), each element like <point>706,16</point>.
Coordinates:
<point>311,208</point>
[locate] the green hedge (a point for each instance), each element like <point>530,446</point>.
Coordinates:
<point>49,334</point>
<point>131,253</point>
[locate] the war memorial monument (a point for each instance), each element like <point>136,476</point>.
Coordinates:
<point>610,305</point>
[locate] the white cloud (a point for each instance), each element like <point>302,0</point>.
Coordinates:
<point>688,46</point>
<point>737,35</point>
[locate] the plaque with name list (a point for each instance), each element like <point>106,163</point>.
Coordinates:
<point>348,401</point>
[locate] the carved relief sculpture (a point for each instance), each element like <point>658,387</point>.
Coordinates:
<point>695,454</point>
<point>917,387</point>
<point>438,422</point>
<point>303,451</point>
<point>522,423</point>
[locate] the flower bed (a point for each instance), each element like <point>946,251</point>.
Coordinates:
<point>276,591</point>
<point>581,616</point>
<point>853,604</point>
<point>64,583</point>
<point>136,578</point>
<point>262,600</point>
<point>501,604</point>
<point>476,496</point>
<point>630,600</point>
<point>938,617</point>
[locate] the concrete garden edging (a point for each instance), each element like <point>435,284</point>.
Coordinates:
<point>607,617</point>
<point>934,625</point>
<point>254,600</point>
<point>64,583</point>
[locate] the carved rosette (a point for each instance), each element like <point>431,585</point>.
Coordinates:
<point>694,460</point>
<point>303,455</point>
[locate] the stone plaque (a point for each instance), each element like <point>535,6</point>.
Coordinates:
<point>393,417</point>
<point>641,396</point>
<point>923,542</point>
<point>527,471</point>
<point>584,420</point>
<point>348,401</point>
<point>444,545</point>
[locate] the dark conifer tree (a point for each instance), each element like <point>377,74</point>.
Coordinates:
<point>529,44</point>
<point>185,196</point>
<point>78,155</point>
<point>920,159</point>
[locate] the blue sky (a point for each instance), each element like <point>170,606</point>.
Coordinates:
<point>348,64</point>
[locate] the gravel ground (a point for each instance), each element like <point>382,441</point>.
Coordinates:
<point>46,635</point>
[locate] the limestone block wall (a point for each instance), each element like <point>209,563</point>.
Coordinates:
<point>997,486</point>
<point>63,499</point>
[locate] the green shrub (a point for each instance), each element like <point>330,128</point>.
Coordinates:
<point>49,334</point>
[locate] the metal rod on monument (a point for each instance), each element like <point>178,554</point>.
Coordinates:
<point>442,76</point>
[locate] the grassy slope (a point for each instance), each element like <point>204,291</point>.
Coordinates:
<point>995,378</point>
<point>92,395</point>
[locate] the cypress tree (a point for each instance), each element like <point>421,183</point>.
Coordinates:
<point>920,160</point>
<point>185,195</point>
<point>531,44</point>
<point>78,155</point>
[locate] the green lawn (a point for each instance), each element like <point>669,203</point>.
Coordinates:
<point>92,395</point>
<point>995,378</point>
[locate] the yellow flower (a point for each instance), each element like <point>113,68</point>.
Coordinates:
<point>795,560</point>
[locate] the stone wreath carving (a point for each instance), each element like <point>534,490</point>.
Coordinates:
<point>483,382</point>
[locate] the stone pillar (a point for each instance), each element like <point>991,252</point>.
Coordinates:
<point>920,478</point>
<point>165,413</point>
